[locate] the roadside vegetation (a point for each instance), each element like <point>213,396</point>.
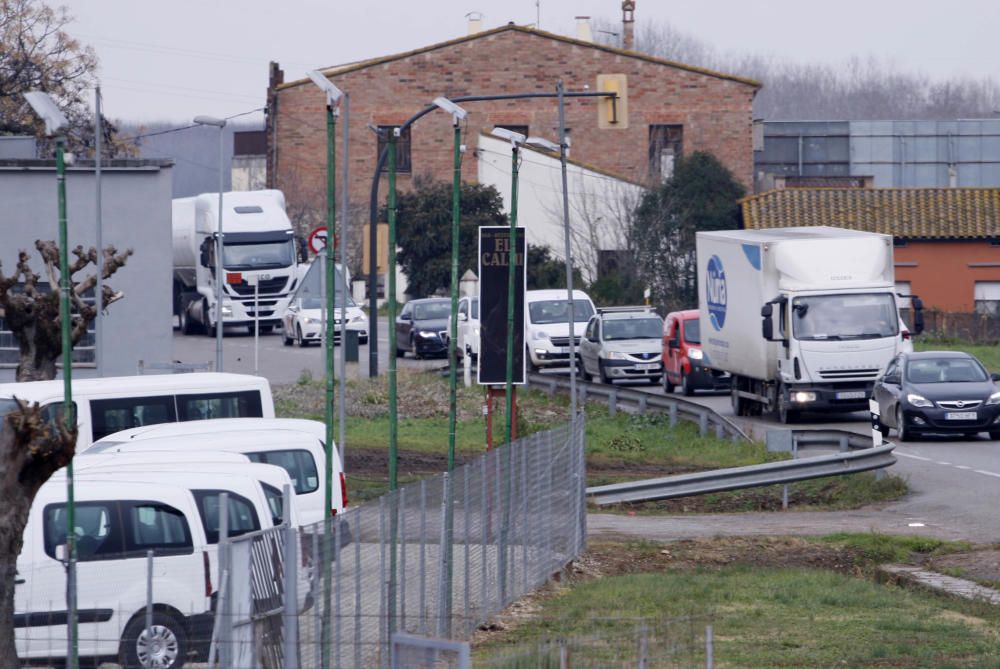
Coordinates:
<point>988,355</point>
<point>772,602</point>
<point>619,448</point>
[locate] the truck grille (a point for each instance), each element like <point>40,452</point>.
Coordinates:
<point>865,373</point>
<point>564,341</point>
<point>273,285</point>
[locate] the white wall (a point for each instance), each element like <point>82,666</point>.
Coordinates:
<point>597,201</point>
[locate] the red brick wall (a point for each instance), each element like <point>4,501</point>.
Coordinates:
<point>715,112</point>
<point>944,273</point>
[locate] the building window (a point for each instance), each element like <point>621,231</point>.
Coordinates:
<point>519,129</point>
<point>666,144</point>
<point>403,163</point>
<point>987,295</point>
<point>84,353</point>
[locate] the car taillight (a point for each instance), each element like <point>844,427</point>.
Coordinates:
<point>208,573</point>
<point>343,490</point>
<point>906,335</point>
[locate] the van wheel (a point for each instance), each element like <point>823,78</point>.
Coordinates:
<point>163,646</point>
<point>686,385</point>
<point>668,386</point>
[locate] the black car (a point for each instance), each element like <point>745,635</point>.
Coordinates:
<point>937,391</point>
<point>422,327</point>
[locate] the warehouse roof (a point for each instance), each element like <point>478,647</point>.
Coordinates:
<point>912,213</point>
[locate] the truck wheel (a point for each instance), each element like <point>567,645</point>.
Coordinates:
<point>187,327</point>
<point>163,646</point>
<point>686,385</point>
<point>207,319</point>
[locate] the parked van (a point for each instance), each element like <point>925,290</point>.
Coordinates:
<point>123,510</point>
<point>294,445</point>
<point>683,358</point>
<point>110,404</point>
<point>546,326</point>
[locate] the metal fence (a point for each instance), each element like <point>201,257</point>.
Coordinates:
<point>436,558</point>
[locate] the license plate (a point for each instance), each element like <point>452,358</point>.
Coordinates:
<point>960,415</point>
<point>647,365</point>
<point>852,395</point>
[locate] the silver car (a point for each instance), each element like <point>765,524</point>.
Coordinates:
<point>623,343</point>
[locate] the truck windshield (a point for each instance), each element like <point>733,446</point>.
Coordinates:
<point>258,256</point>
<point>840,317</point>
<point>557,311</point>
<point>633,328</point>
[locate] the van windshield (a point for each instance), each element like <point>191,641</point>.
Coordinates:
<point>545,312</point>
<point>633,328</point>
<point>839,317</point>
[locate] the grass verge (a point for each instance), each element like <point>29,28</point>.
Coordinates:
<point>773,602</point>
<point>988,355</point>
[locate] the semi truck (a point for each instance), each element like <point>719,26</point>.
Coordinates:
<point>259,256</point>
<point>803,319</point>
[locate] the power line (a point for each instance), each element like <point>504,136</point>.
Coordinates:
<point>188,127</point>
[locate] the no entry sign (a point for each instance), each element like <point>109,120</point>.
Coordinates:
<point>317,240</point>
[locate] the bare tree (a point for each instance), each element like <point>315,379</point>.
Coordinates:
<point>31,310</point>
<point>31,450</point>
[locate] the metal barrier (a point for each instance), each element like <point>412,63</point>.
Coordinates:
<point>735,478</point>
<point>640,402</point>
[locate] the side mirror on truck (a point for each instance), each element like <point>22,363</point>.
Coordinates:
<point>767,325</point>
<point>918,314</point>
<point>206,248</point>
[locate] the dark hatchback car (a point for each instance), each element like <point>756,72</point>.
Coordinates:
<point>422,327</point>
<point>938,391</point>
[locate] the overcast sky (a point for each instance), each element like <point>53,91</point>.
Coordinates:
<point>174,60</point>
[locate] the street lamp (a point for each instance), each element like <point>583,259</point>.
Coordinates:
<point>219,123</point>
<point>55,123</point>
<point>516,140</point>
<point>333,96</point>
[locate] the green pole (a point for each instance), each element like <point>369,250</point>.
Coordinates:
<point>391,287</point>
<point>447,551</point>
<point>331,122</point>
<point>72,659</point>
<point>511,284</point>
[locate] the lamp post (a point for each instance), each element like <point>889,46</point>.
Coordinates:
<point>516,139</point>
<point>55,122</point>
<point>219,123</point>
<point>333,95</point>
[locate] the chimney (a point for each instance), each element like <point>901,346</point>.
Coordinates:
<point>628,25</point>
<point>475,22</point>
<point>583,32</point>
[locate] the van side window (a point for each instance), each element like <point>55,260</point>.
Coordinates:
<point>156,526</point>
<point>275,502</point>
<point>115,415</point>
<point>242,516</point>
<point>243,404</point>
<point>298,463</point>
<point>98,534</point>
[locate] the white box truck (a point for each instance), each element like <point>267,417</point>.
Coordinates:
<point>804,319</point>
<point>259,254</point>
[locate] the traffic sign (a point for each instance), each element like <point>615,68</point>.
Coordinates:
<point>317,240</point>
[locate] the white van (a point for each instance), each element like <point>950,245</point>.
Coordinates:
<point>546,326</point>
<point>294,445</point>
<point>121,513</point>
<point>110,404</point>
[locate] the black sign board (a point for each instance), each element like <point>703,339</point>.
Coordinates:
<point>494,255</point>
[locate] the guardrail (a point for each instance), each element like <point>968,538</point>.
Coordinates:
<point>640,402</point>
<point>770,473</point>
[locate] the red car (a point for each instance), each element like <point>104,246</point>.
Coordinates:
<point>683,360</point>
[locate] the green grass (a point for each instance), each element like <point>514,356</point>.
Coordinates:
<point>886,548</point>
<point>766,617</point>
<point>988,355</point>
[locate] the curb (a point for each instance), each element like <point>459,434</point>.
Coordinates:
<point>951,585</point>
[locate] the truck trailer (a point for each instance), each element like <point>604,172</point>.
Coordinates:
<point>260,260</point>
<point>804,319</point>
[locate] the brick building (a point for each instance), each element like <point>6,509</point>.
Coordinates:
<point>666,109</point>
<point>947,240</point>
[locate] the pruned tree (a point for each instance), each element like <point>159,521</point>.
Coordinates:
<point>36,53</point>
<point>31,450</point>
<point>702,194</point>
<point>31,309</point>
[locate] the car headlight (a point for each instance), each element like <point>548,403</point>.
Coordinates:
<point>312,321</point>
<point>539,335</point>
<point>227,311</point>
<point>426,335</point>
<point>695,354</point>
<point>920,401</point>
<point>614,355</point>
<point>994,399</point>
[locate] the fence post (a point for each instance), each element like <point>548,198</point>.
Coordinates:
<point>643,649</point>
<point>583,393</point>
<point>709,660</point>
<point>222,606</point>
<point>720,430</point>
<point>844,445</point>
<point>444,560</point>
<point>149,599</point>
<point>612,402</point>
<point>702,424</point>
<point>642,404</point>
<point>290,634</point>
<point>673,414</point>
<point>423,557</point>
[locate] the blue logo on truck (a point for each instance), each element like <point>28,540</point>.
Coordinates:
<point>715,291</point>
